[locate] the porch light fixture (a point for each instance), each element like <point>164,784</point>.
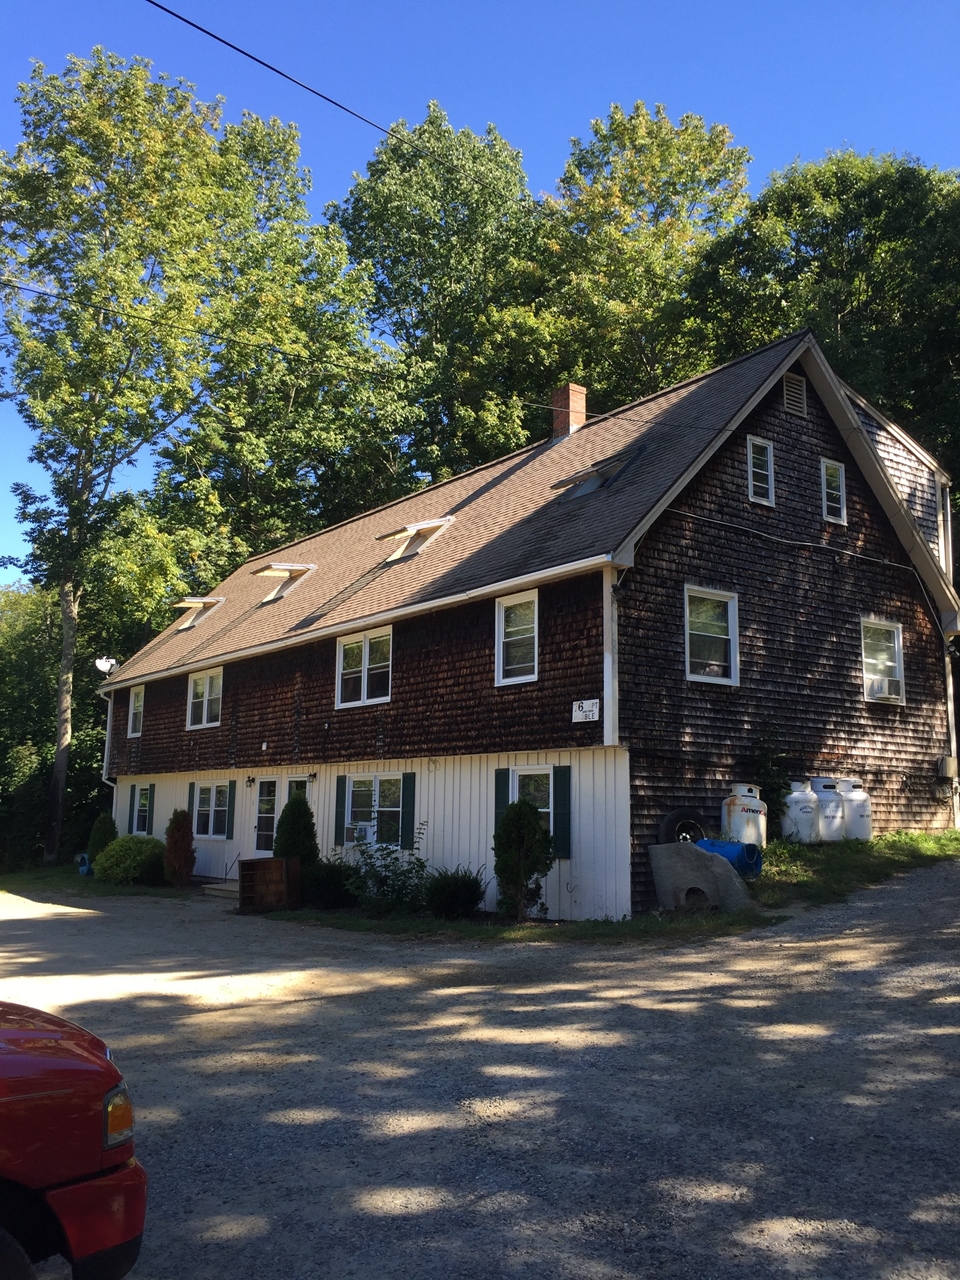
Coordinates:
<point>311,777</point>
<point>251,781</point>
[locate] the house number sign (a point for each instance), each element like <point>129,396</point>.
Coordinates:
<point>588,710</point>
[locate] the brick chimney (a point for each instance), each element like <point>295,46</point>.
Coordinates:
<point>569,409</point>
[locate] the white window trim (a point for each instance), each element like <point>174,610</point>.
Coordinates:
<point>944,532</point>
<point>734,619</point>
<point>131,732</point>
<point>376,779</point>
<point>768,445</point>
<point>516,774</point>
<point>145,810</point>
<point>832,462</point>
<point>366,637</point>
<point>502,602</point>
<point>195,675</point>
<point>866,620</point>
<point>212,784</point>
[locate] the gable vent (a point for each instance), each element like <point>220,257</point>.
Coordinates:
<point>795,394</point>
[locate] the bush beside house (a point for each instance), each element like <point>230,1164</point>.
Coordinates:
<point>180,856</point>
<point>131,860</point>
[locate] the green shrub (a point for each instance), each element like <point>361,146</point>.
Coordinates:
<point>131,860</point>
<point>386,878</point>
<point>326,884</point>
<point>522,856</point>
<point>103,832</point>
<point>180,856</point>
<point>296,831</point>
<point>454,895</point>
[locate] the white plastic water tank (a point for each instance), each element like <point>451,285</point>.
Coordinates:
<point>744,815</point>
<point>831,809</point>
<point>857,809</point>
<point>801,818</point>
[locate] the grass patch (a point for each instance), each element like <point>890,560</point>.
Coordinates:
<point>675,927</point>
<point>829,872</point>
<point>65,878</point>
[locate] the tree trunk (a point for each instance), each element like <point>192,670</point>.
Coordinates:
<point>69,602</point>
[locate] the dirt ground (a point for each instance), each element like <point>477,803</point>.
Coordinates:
<point>323,1104</point>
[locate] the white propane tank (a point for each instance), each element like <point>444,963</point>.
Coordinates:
<point>744,815</point>
<point>801,818</point>
<point>857,809</point>
<point>831,809</point>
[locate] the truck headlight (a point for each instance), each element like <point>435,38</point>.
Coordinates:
<point>117,1117</point>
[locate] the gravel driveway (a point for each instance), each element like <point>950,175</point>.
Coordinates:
<point>320,1104</point>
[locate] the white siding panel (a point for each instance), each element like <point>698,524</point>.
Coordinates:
<point>455,804</point>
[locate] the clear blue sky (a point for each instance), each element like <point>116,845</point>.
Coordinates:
<point>791,81</point>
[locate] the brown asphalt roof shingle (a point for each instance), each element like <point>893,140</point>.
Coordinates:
<point>509,521</point>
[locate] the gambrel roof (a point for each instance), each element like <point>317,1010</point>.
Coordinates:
<point>529,517</point>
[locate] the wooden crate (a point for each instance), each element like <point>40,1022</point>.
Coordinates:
<point>269,884</point>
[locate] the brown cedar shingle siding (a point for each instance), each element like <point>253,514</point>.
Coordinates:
<point>443,699</point>
<point>916,483</point>
<point>800,653</point>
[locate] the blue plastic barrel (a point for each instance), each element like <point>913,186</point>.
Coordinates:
<point>746,859</point>
<point>86,866</point>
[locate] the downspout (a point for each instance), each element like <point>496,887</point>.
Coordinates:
<point>108,698</point>
<point>611,686</point>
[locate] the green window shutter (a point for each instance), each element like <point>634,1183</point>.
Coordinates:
<point>153,792</point>
<point>340,819</point>
<point>561,810</point>
<point>133,808</point>
<point>231,806</point>
<point>501,795</point>
<point>191,795</point>
<point>408,793</point>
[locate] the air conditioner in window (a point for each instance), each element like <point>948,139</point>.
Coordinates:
<point>885,689</point>
<point>365,832</point>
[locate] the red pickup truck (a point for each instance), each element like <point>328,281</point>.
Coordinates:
<point>69,1183</point>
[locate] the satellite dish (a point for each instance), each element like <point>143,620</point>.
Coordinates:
<point>107,665</point>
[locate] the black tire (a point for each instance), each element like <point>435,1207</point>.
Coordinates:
<point>683,824</point>
<point>14,1263</point>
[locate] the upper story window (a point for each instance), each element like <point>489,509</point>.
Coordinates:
<point>712,636</point>
<point>135,721</point>
<point>203,705</point>
<point>363,668</point>
<point>833,487</point>
<point>882,661</point>
<point>795,394</point>
<point>517,638</point>
<point>760,470</point>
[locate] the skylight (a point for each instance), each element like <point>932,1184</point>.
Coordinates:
<point>287,575</point>
<point>414,537</point>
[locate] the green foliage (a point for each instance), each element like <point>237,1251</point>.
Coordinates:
<point>454,895</point>
<point>385,878</point>
<point>179,856</point>
<point>765,765</point>
<point>820,873</point>
<point>296,835</point>
<point>864,249</point>
<point>523,854</point>
<point>131,860</point>
<point>326,884</point>
<point>103,832</point>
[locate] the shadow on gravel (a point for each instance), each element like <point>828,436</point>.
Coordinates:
<point>786,1105</point>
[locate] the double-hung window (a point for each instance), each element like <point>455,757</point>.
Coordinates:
<point>135,722</point>
<point>373,811</point>
<point>517,638</point>
<point>534,785</point>
<point>363,668</point>
<point>882,661</point>
<point>711,636</point>
<point>833,488</point>
<point>760,471</point>
<point>203,707</point>
<point>213,801</point>
<point>142,816</point>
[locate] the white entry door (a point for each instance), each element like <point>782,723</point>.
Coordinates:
<point>266,815</point>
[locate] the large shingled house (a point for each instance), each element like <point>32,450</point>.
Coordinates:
<point>603,622</point>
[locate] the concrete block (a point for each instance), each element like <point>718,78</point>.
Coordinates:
<point>684,875</point>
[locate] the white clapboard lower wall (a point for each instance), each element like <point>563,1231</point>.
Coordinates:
<point>454,810</point>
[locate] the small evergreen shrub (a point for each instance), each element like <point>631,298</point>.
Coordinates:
<point>522,856</point>
<point>296,834</point>
<point>326,884</point>
<point>454,895</point>
<point>131,860</point>
<point>104,832</point>
<point>180,856</point>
